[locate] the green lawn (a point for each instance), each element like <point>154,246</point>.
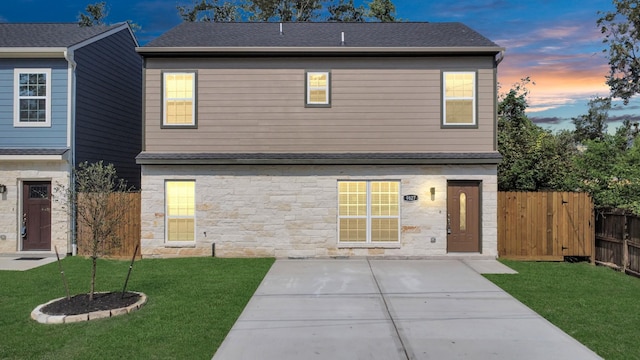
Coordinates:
<point>192,304</point>
<point>597,306</point>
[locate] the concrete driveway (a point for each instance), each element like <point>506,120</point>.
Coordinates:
<point>391,309</point>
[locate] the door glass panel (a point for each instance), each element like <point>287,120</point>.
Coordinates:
<point>463,212</point>
<point>38,192</point>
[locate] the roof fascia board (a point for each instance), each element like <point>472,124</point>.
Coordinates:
<point>291,49</point>
<point>493,161</point>
<point>33,157</point>
<point>32,52</point>
<point>105,34</point>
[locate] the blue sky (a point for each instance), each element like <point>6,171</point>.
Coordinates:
<point>556,43</point>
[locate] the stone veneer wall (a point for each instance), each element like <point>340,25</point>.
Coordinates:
<point>12,174</point>
<point>291,211</point>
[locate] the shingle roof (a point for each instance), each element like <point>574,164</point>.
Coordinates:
<point>319,34</point>
<point>47,34</point>
<point>318,158</point>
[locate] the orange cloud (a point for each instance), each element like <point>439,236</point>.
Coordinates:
<point>559,80</point>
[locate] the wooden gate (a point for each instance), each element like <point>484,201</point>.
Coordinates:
<point>128,231</point>
<point>545,225</point>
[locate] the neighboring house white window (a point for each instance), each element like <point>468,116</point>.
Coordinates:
<point>318,92</point>
<point>32,97</point>
<point>368,211</point>
<point>179,99</point>
<point>180,218</point>
<point>459,97</point>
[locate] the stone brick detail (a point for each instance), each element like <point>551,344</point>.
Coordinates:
<point>12,175</point>
<point>291,211</point>
<point>99,315</point>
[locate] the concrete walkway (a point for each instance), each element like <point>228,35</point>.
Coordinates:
<point>391,309</point>
<point>25,261</point>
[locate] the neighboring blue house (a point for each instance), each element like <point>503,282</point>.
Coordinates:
<point>68,94</point>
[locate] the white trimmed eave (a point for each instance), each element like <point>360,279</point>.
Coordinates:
<point>32,52</point>
<point>319,50</point>
<point>62,157</point>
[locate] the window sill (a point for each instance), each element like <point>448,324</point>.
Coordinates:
<point>459,126</point>
<point>185,244</point>
<point>369,245</point>
<point>32,125</point>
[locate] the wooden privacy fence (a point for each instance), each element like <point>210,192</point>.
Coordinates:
<point>618,241</point>
<point>545,225</point>
<point>128,229</point>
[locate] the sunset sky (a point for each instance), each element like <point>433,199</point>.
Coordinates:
<point>556,43</point>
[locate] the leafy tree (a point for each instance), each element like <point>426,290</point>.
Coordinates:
<point>533,158</point>
<point>346,11</point>
<point>284,10</point>
<point>622,36</point>
<point>382,10</point>
<point>210,10</point>
<point>593,125</point>
<point>607,168</point>
<point>96,13</point>
<point>287,10</point>
<point>99,203</point>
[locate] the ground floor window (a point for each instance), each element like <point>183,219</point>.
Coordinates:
<point>180,217</point>
<point>369,211</point>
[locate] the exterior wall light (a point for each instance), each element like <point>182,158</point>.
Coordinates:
<point>3,189</point>
<point>433,193</point>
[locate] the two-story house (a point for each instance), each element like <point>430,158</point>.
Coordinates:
<point>320,140</point>
<point>68,94</point>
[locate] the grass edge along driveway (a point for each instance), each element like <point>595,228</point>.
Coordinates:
<point>595,305</point>
<point>192,305</point>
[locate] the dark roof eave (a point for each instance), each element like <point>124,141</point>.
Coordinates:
<point>488,158</point>
<point>168,51</point>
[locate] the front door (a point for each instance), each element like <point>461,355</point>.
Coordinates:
<point>35,228</point>
<point>463,216</point>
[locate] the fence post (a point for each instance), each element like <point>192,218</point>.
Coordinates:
<point>625,245</point>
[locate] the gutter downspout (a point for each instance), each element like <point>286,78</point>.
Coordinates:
<point>498,59</point>
<point>71,136</point>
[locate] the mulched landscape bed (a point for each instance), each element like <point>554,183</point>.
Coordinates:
<point>80,304</point>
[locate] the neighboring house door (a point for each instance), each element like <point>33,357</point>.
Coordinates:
<point>36,215</point>
<point>463,216</point>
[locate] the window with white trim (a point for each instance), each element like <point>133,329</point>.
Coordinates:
<point>318,93</point>
<point>368,211</point>
<point>32,97</point>
<point>459,98</point>
<point>180,218</point>
<point>179,99</point>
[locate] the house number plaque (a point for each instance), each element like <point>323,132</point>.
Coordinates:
<point>410,197</point>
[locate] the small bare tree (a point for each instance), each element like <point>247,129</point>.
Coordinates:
<point>98,200</point>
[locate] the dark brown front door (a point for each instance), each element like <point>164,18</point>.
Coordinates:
<point>463,216</point>
<point>35,228</point>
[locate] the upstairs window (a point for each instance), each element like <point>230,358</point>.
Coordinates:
<point>32,97</point>
<point>459,96</point>
<point>318,93</point>
<point>179,99</point>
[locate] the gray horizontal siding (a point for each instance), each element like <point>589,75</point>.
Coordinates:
<point>34,137</point>
<point>378,109</point>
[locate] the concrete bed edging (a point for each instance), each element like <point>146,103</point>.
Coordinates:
<point>43,318</point>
